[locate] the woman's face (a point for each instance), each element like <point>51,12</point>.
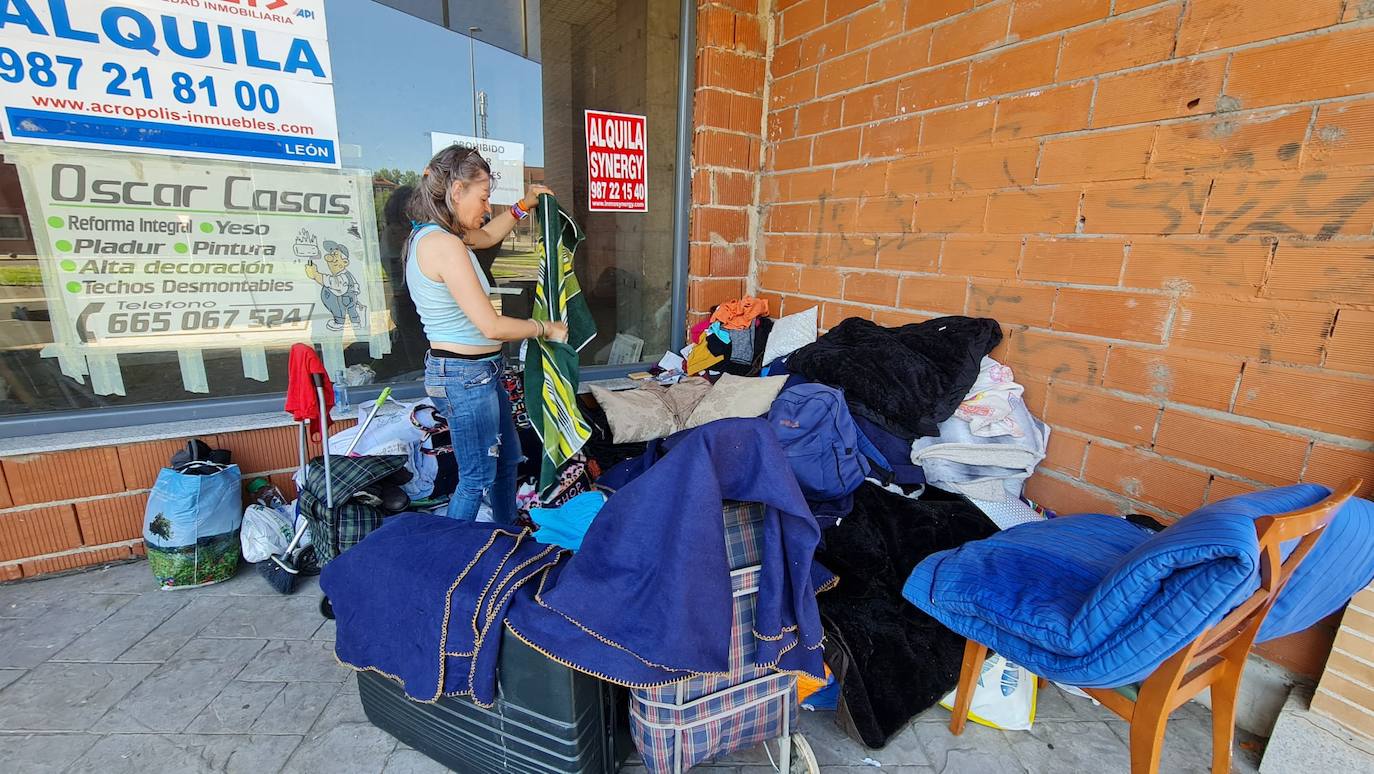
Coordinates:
<point>470,201</point>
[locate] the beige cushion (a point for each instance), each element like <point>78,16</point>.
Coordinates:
<point>651,410</point>
<point>737,396</point>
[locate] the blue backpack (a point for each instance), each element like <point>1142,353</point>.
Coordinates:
<point>814,426</point>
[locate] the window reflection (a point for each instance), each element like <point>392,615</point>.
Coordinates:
<point>401,77</point>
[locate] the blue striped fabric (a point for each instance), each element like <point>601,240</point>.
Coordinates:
<point>1339,566</point>
<point>1095,601</point>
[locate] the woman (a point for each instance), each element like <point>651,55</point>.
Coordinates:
<point>451,294</point>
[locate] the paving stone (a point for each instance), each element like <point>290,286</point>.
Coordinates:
<point>176,631</point>
<point>190,754</point>
<point>326,631</point>
<point>296,661</point>
<point>253,617</point>
<point>43,753</point>
<point>176,692</point>
<point>345,708</point>
<point>43,591</point>
<point>248,583</point>
<point>125,578</point>
<point>295,709</point>
<point>904,747</point>
<point>1188,743</point>
<point>828,742</point>
<point>978,749</point>
<point>933,714</point>
<point>67,697</point>
<point>124,628</point>
<point>409,761</point>
<point>26,599</point>
<point>1050,747</point>
<point>8,676</point>
<point>347,746</point>
<point>235,709</point>
<point>31,640</point>
<point>1053,704</point>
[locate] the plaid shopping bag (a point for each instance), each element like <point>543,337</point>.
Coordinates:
<point>677,726</point>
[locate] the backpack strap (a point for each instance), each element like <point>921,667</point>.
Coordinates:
<point>877,463</point>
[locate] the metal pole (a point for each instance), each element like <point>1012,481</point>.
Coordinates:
<point>472,70</point>
<point>682,185</point>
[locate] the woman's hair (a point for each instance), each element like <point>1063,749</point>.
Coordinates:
<point>430,202</point>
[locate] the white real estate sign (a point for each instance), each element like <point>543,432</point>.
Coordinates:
<point>247,81</point>
<point>150,253</point>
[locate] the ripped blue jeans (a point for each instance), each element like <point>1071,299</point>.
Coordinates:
<point>469,393</point>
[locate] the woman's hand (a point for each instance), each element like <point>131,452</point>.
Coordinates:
<point>556,331</point>
<point>531,199</point>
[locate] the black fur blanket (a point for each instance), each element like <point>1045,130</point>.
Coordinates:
<point>898,661</point>
<point>907,379</point>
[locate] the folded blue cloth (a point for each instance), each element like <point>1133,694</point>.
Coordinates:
<point>422,598</point>
<point>647,601</point>
<point>1094,601</point>
<point>567,524</point>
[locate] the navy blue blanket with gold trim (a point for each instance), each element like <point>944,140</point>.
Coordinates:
<point>647,601</point>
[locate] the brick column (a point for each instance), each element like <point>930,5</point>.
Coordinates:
<point>726,143</point>
<point>1346,691</point>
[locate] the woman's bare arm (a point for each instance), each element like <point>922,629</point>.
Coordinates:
<point>448,258</point>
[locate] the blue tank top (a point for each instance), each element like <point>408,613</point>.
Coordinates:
<point>442,318</point>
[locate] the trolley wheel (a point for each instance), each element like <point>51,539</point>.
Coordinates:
<point>803,758</point>
<point>326,608</point>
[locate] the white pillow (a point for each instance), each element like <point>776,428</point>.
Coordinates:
<point>790,334</point>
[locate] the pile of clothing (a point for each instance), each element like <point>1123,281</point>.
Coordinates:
<point>923,403</point>
<point>644,602</point>
<point>988,448</point>
<point>835,434</point>
<point>915,394</point>
<point>733,340</point>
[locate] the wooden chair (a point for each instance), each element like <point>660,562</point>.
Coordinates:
<point>1216,659</point>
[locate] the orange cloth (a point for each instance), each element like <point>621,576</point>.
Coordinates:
<point>738,315</point>
<point>807,685</point>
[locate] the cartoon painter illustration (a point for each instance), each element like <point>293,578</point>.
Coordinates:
<point>339,289</point>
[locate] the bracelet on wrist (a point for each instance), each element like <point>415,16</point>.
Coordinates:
<point>519,212</point>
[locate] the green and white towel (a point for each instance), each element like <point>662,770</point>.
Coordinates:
<point>551,368</point>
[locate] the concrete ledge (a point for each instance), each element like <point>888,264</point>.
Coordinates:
<point>1306,741</point>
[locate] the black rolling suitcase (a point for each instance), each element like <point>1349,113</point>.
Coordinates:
<point>547,718</point>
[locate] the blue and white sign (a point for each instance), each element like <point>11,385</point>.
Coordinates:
<point>232,79</point>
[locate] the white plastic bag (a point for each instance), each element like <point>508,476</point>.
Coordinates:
<point>265,532</point>
<point>1003,698</point>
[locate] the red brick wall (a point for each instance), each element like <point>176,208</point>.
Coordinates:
<point>1168,205</point>
<point>69,509</point>
<point>726,140</point>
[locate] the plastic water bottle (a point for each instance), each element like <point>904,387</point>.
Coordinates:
<point>341,392</point>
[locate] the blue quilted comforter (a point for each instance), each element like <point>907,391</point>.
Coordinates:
<point>1094,601</point>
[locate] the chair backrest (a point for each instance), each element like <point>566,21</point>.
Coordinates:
<point>1273,531</point>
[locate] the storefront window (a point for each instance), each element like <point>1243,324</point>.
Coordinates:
<point>140,265</point>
